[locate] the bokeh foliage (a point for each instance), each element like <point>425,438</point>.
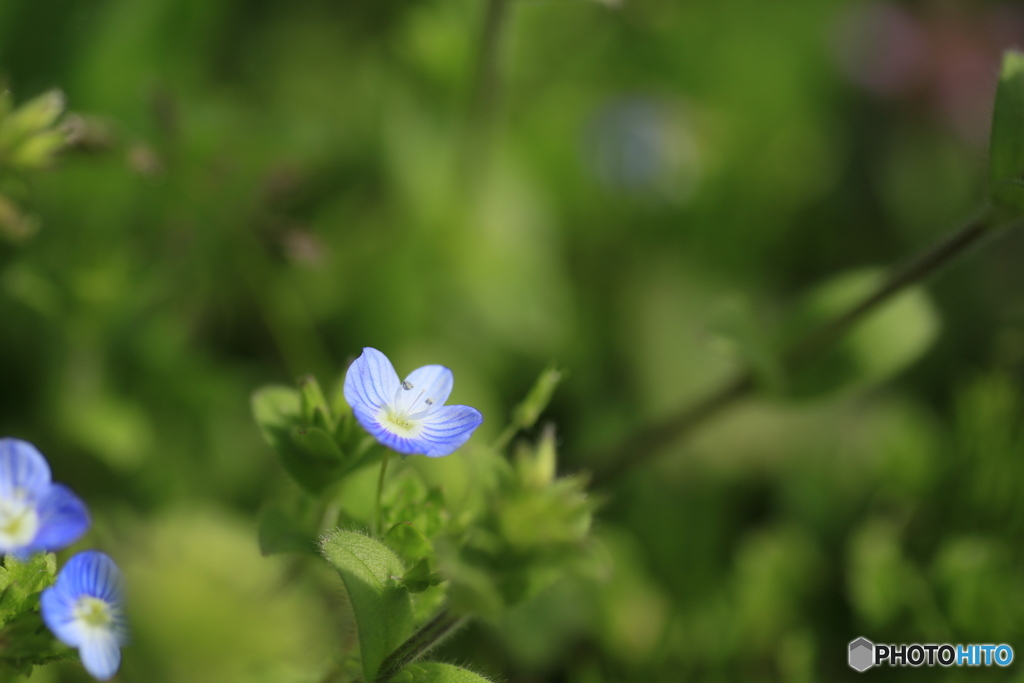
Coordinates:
<point>252,190</point>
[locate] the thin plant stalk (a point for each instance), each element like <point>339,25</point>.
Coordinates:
<point>641,447</point>
<point>379,516</point>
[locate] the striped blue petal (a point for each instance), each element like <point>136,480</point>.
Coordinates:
<point>371,381</point>
<point>22,469</point>
<point>447,428</point>
<point>89,581</point>
<point>94,574</point>
<point>429,388</point>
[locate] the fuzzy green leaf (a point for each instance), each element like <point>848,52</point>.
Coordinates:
<point>21,581</point>
<point>382,606</point>
<point>435,672</point>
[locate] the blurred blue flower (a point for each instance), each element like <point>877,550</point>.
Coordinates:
<point>408,416</point>
<point>36,515</point>
<point>85,609</point>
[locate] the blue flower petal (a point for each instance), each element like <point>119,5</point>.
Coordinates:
<point>57,607</point>
<point>446,429</point>
<point>90,574</point>
<point>63,519</point>
<point>101,655</point>
<point>93,573</point>
<point>22,467</point>
<point>371,381</point>
<point>431,386</point>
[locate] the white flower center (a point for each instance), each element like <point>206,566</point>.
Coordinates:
<point>92,613</point>
<point>19,520</point>
<point>396,418</point>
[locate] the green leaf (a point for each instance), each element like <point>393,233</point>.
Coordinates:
<point>737,331</point>
<point>28,643</point>
<point>471,589</point>
<point>436,672</point>
<point>883,344</point>
<point>317,445</point>
<point>31,118</point>
<point>279,533</point>
<point>409,541</point>
<point>420,577</point>
<point>382,606</point>
<point>527,412</point>
<point>21,582</point>
<point>276,409</point>
<point>308,453</point>
<point>536,466</point>
<point>315,410</point>
<point>1006,146</point>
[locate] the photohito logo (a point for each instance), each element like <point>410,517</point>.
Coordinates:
<point>863,654</point>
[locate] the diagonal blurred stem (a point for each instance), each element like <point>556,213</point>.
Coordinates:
<point>429,635</point>
<point>486,86</point>
<point>641,447</point>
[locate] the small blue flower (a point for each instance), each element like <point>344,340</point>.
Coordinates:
<point>408,416</point>
<point>85,609</point>
<point>36,515</point>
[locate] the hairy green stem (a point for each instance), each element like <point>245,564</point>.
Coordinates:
<point>429,635</point>
<point>643,445</point>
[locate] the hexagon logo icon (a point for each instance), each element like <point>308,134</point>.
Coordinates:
<point>862,654</point>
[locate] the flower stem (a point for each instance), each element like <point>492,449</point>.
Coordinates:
<point>486,87</point>
<point>505,437</point>
<point>646,443</point>
<point>429,635</point>
<point>379,518</point>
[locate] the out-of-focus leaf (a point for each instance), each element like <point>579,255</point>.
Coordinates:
<point>471,590</point>
<point>276,410</point>
<point>527,412</point>
<point>38,151</point>
<point>317,445</point>
<point>382,606</point>
<point>1006,147</point>
<point>315,410</point>
<point>880,579</point>
<point>420,577</point>
<point>555,516</point>
<point>409,541</point>
<point>736,331</point>
<point>278,533</point>
<point>536,466</point>
<point>31,118</point>
<point>880,346</point>
<point>308,453</point>
<point>114,429</point>
<point>15,224</point>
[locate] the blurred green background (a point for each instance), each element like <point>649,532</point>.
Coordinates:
<point>652,196</point>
